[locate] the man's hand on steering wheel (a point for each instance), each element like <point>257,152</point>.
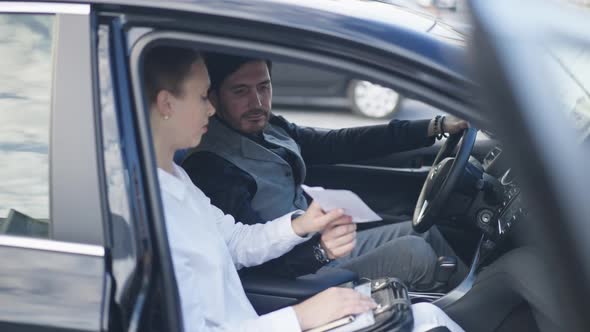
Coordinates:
<point>453,125</point>
<point>444,174</point>
<point>448,124</point>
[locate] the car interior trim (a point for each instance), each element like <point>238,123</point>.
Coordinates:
<point>466,285</point>
<point>419,170</point>
<point>44,8</point>
<point>50,245</point>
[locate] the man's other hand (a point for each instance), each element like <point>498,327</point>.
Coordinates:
<point>339,238</point>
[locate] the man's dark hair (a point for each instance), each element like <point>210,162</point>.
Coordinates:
<point>165,68</point>
<point>220,66</point>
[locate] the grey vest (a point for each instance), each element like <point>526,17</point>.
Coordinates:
<point>277,193</point>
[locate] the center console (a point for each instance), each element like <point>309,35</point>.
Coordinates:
<point>443,300</point>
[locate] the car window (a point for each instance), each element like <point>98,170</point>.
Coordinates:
<point>25,109</point>
<point>324,98</point>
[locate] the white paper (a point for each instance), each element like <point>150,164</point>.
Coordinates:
<point>353,205</point>
<point>362,320</point>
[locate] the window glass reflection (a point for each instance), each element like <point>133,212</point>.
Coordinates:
<point>25,105</point>
<point>570,66</point>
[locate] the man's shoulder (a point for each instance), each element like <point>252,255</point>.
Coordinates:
<point>205,162</point>
<point>285,127</point>
<point>218,178</point>
<point>281,122</point>
<point>202,166</point>
<point>219,138</point>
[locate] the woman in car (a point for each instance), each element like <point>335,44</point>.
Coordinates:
<point>207,246</point>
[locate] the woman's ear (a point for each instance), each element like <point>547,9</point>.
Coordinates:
<point>164,101</point>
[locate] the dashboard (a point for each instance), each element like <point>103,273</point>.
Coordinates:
<point>511,209</point>
<point>506,208</point>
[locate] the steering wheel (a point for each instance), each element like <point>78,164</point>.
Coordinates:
<point>442,178</point>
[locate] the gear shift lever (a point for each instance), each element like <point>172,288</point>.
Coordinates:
<point>446,266</point>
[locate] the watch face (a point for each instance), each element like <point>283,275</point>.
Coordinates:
<point>320,254</point>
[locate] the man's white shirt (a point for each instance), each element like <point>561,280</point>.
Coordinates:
<point>208,247</point>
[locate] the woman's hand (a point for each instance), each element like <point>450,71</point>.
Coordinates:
<point>331,304</point>
<point>315,220</point>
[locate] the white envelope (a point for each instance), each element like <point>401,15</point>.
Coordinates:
<point>353,205</point>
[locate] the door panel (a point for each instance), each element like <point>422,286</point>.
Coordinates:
<point>389,185</point>
<point>50,290</point>
<point>390,192</point>
<point>424,157</point>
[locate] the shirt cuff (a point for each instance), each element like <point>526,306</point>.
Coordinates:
<point>282,320</point>
<point>286,228</point>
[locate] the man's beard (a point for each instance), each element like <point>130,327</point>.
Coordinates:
<point>223,115</point>
<point>255,112</point>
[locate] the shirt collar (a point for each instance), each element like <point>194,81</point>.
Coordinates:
<point>174,184</point>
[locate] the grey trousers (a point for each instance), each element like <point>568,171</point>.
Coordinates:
<point>397,251</point>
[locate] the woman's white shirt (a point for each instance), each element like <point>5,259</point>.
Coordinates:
<point>207,247</point>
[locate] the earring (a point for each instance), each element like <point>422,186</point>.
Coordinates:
<point>166,117</point>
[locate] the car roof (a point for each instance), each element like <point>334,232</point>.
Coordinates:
<point>374,24</point>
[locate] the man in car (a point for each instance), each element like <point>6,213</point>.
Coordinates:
<point>252,163</point>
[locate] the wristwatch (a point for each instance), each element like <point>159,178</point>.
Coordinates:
<point>320,254</point>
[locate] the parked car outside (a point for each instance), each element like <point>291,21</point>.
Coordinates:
<point>303,87</point>
<point>307,88</point>
<point>84,245</point>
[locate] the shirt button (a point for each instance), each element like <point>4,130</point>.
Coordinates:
<point>287,174</point>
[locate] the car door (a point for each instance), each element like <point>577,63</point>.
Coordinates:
<point>533,65</point>
<point>54,275</point>
<point>146,296</point>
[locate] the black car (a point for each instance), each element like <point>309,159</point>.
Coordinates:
<point>84,245</point>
